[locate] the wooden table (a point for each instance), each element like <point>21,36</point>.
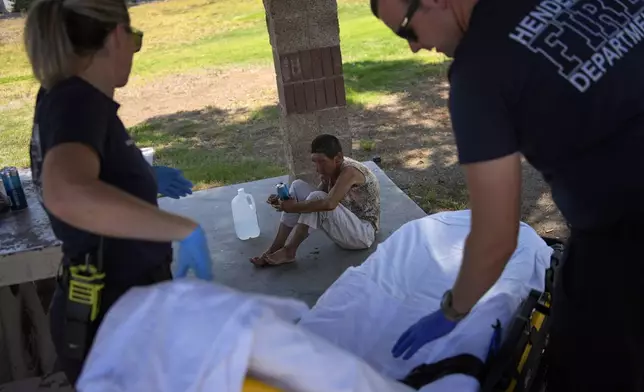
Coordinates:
<point>29,259</point>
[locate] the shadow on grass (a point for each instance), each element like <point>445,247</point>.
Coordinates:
<point>414,140</point>
<point>213,147</point>
<point>411,134</point>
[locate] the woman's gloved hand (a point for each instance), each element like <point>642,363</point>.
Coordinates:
<point>194,254</point>
<point>427,329</point>
<point>171,182</point>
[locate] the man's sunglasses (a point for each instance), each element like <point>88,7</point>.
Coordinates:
<point>404,31</point>
<point>137,35</point>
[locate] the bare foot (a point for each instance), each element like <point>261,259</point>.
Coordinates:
<point>261,261</point>
<point>282,256</point>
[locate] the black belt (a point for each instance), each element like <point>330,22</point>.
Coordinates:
<point>157,274</point>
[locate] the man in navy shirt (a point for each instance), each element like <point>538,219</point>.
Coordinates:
<point>561,83</point>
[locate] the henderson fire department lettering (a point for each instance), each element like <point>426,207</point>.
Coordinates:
<point>583,38</point>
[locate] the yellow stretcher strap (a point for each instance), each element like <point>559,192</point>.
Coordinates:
<point>253,385</point>
<point>536,322</point>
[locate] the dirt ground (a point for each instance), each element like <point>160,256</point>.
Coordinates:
<point>409,131</point>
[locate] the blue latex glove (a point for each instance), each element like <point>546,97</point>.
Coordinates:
<point>427,329</point>
<point>194,254</point>
<point>171,182</point>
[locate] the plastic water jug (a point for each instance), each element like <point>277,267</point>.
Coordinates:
<point>245,215</point>
<point>148,154</point>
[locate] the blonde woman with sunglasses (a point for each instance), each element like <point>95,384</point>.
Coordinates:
<point>97,188</point>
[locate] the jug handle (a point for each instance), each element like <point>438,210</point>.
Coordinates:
<point>251,201</point>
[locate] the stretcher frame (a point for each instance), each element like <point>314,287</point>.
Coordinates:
<point>520,363</point>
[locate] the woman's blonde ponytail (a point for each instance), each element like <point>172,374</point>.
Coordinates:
<point>49,48</point>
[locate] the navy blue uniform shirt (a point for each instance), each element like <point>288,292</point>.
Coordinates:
<point>563,83</point>
<point>74,111</point>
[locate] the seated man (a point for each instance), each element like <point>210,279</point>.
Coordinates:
<point>346,205</point>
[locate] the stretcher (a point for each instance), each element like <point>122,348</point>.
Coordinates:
<point>193,336</point>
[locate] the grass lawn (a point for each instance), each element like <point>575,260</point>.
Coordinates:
<point>184,37</point>
<point>202,93</point>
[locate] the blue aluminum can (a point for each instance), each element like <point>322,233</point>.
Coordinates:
<point>13,187</point>
<point>5,202</point>
<point>282,191</point>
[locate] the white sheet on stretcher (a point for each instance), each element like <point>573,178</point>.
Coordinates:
<point>370,306</point>
<point>192,336</point>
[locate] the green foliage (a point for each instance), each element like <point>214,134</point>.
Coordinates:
<point>367,145</point>
<point>186,36</point>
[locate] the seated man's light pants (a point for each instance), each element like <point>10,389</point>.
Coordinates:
<point>341,225</point>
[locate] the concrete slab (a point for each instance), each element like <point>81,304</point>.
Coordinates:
<point>320,262</point>
<point>29,251</point>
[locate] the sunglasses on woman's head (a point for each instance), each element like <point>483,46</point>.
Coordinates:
<point>404,30</point>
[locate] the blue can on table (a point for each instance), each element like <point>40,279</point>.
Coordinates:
<point>13,187</point>
<point>282,191</point>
